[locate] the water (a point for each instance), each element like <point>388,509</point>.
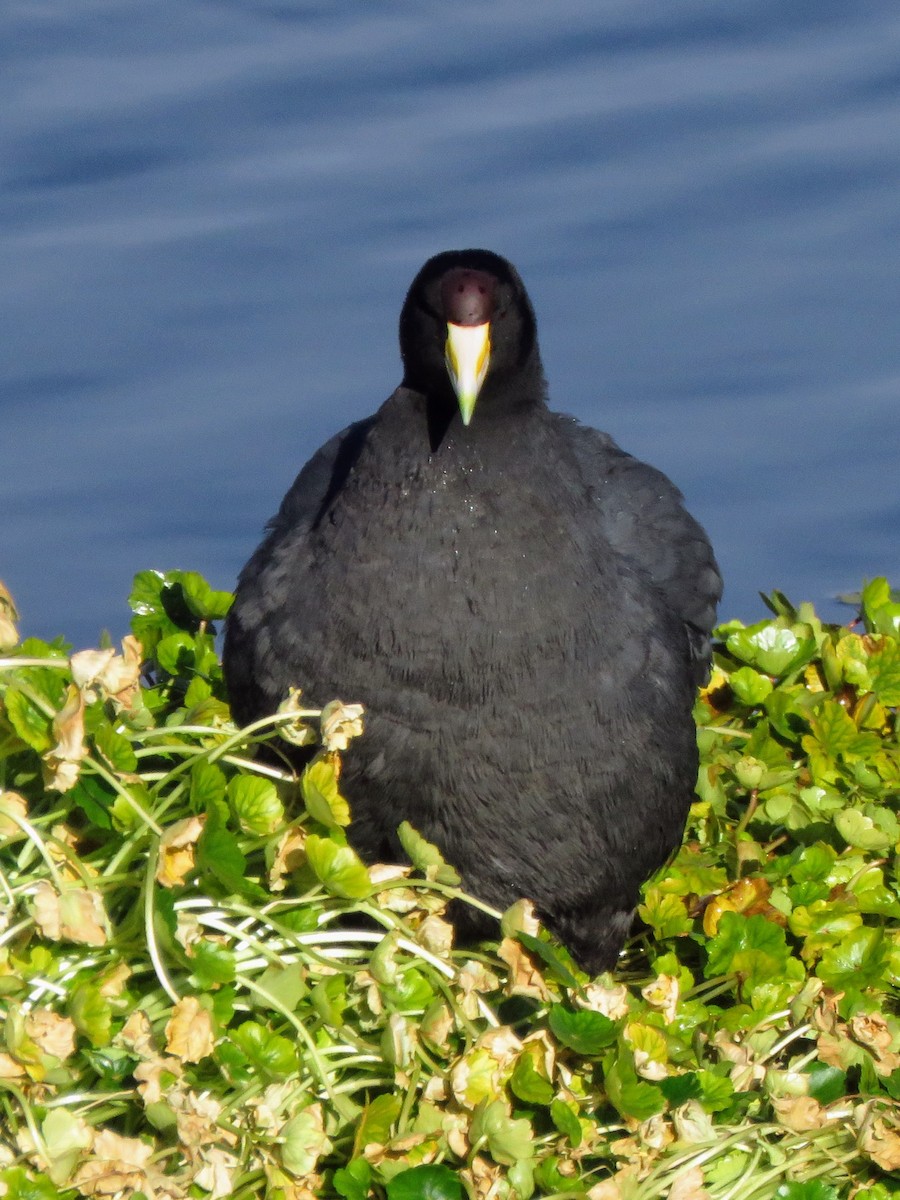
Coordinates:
<point>211,212</point>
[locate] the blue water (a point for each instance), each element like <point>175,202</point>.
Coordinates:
<point>211,212</point>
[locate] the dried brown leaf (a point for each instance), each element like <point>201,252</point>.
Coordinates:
<point>53,1034</point>
<point>881,1141</point>
<point>112,982</point>
<point>74,915</point>
<point>662,994</point>
<point>435,935</point>
<point>339,724</point>
<point>9,1068</point>
<point>61,764</point>
<point>872,1031</point>
<point>149,1074</point>
<point>483,1178</point>
<point>177,851</point>
<point>748,896</point>
<point>137,1034</point>
<point>609,999</point>
<point>688,1185</point>
<point>103,673</point>
<point>525,979</point>
<point>118,1165</point>
<point>13,808</point>
<point>216,1175</point>
<point>799,1113</point>
<point>189,1033</point>
<point>290,855</point>
<point>9,635</point>
<point>521,918</point>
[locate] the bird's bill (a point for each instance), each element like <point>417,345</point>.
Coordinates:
<point>467,354</point>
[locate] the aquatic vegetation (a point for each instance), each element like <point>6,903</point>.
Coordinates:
<point>205,992</point>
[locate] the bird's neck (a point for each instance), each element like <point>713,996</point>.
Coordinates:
<point>500,411</point>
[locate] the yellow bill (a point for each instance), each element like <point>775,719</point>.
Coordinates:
<point>467,354</point>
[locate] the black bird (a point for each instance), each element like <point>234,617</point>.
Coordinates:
<point>523,608</point>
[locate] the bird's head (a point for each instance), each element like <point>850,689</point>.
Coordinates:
<point>467,322</point>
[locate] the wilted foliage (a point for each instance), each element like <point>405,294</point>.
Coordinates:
<point>204,991</point>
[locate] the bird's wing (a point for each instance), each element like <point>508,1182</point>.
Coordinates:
<point>321,479</point>
<point>645,520</point>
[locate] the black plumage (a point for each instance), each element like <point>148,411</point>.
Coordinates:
<point>523,608</point>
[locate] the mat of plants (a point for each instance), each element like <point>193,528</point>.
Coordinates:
<point>205,993</point>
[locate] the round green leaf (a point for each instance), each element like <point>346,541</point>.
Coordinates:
<point>256,804</point>
<point>749,686</point>
<point>585,1032</point>
<point>338,868</point>
<point>323,800</point>
<point>427,1182</point>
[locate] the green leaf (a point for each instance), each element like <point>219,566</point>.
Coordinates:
<point>212,964</point>
<point>22,1185</point>
<point>508,1139</point>
<point>323,800</point>
<point>116,749</point>
<point>286,985</point>
<point>678,1089</point>
<point>426,1182</point>
<point>207,786</point>
<point>377,1121</point>
<point>92,1013</point>
<point>521,1178</point>
<point>858,829</point>
<point>352,1182</point>
<point>884,667</point>
<point>858,961</point>
<point>809,1189</point>
<point>822,923</point>
<point>826,1084</point>
<point>548,1176</point>
<point>833,729</point>
<point>256,804</point>
<point>813,863</point>
<point>146,594</point>
<point>29,722</point>
<point>566,1121</point>
<point>752,948</point>
<point>151,621</point>
<point>665,913</point>
<point>528,1084</point>
<point>65,1139</point>
<point>177,652</point>
<point>95,799</point>
<point>329,999</point>
<point>717,1093</point>
<point>198,692</point>
<point>631,1096</point>
<point>880,610</point>
<point>772,647</point>
<point>425,857</point>
<point>749,686</point>
<point>409,992</point>
<point>873,895</point>
<point>202,600</point>
<point>270,1053</point>
<point>338,868</point>
<point>588,1033</point>
<point>303,1142</point>
<point>219,854</point>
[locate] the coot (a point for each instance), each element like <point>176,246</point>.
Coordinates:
<point>523,608</point>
